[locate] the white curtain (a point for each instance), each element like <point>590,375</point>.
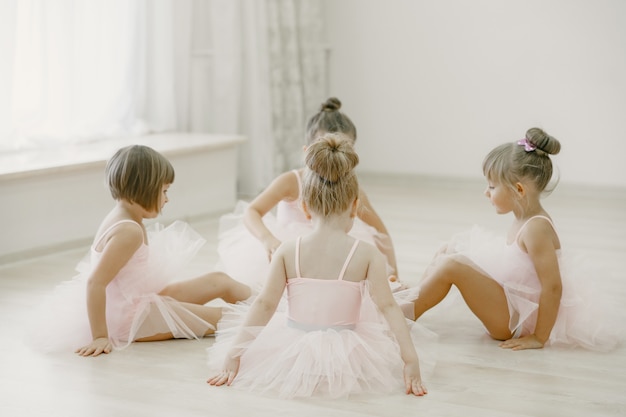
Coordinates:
<point>297,68</point>
<point>269,77</point>
<point>90,69</point>
<point>86,70</point>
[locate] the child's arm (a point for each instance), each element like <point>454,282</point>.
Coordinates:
<point>540,241</point>
<point>284,187</point>
<point>383,242</point>
<point>260,313</point>
<point>120,247</point>
<point>381,294</point>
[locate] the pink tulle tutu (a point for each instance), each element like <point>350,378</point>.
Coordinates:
<point>585,318</point>
<point>134,308</point>
<point>326,339</point>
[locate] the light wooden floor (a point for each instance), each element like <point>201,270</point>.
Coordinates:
<point>473,376</point>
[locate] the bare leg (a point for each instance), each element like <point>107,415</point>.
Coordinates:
<point>194,293</point>
<point>209,314</point>
<point>156,338</point>
<point>208,287</point>
<point>484,296</point>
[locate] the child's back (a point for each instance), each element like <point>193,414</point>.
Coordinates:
<point>341,332</point>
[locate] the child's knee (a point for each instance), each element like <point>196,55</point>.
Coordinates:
<point>232,289</point>
<point>501,335</point>
<point>171,290</point>
<point>454,268</point>
<point>445,270</point>
<point>220,277</point>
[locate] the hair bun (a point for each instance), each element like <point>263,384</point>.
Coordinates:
<point>331,104</point>
<point>332,157</point>
<point>543,141</point>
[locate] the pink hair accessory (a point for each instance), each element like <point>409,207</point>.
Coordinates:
<point>528,146</point>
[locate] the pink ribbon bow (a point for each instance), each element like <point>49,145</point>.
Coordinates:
<point>528,146</point>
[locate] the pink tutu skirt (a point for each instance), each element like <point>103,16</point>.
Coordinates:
<point>586,318</point>
<point>286,361</point>
<point>134,308</point>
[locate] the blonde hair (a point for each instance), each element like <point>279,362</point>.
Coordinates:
<point>137,174</point>
<point>527,159</point>
<point>330,184</point>
<point>329,120</point>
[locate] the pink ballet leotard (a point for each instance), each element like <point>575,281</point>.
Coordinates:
<point>134,308</point>
<point>321,344</point>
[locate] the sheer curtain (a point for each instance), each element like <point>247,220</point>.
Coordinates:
<point>269,77</point>
<point>87,70</point>
<point>84,70</point>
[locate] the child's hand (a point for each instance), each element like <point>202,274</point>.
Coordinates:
<point>395,284</point>
<point>413,381</point>
<point>228,374</point>
<point>96,347</point>
<point>526,342</point>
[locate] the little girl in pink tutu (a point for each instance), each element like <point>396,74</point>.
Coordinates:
<point>341,332</point>
<point>255,230</point>
<point>126,290</point>
<point>526,292</point>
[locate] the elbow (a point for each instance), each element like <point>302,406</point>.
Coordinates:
<point>246,214</point>
<point>250,215</point>
<point>251,211</point>
<point>555,290</point>
<point>265,306</point>
<point>386,307</point>
<point>92,284</point>
<point>95,286</point>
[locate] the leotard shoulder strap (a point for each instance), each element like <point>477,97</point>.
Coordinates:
<point>97,242</point>
<point>345,264</point>
<point>519,232</point>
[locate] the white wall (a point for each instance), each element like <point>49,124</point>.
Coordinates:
<point>433,85</point>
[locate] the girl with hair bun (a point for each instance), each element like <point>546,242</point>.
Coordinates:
<point>524,290</point>
<point>254,229</point>
<point>341,332</point>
